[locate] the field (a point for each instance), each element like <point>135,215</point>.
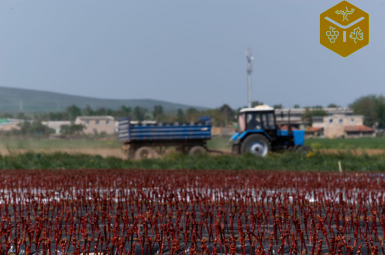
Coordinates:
<point>190,212</point>
<point>106,154</point>
<point>57,198</point>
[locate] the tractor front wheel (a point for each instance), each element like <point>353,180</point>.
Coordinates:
<point>257,145</point>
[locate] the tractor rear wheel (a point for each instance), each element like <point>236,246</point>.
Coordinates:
<point>145,153</point>
<point>257,145</point>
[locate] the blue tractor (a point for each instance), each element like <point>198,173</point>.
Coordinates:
<point>259,134</point>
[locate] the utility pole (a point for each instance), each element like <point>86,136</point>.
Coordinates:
<point>249,69</point>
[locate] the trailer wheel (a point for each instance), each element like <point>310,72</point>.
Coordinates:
<point>197,150</point>
<point>257,145</point>
<point>145,153</point>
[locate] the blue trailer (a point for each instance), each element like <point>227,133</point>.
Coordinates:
<point>150,139</point>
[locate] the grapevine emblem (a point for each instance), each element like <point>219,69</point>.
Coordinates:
<point>345,13</point>
<point>332,35</point>
<point>346,27</point>
<point>357,34</point>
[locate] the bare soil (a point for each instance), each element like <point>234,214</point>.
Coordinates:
<point>118,153</point>
<point>356,152</point>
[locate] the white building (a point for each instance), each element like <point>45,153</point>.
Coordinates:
<point>339,125</point>
<point>97,124</point>
<point>56,125</point>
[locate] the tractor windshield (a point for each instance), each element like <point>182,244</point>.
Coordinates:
<point>256,121</point>
<point>268,121</point>
<point>253,121</point>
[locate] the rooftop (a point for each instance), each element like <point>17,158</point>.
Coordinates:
<point>56,124</point>
<point>303,110</point>
<point>95,118</point>
<point>258,108</point>
<point>313,129</point>
<point>361,128</point>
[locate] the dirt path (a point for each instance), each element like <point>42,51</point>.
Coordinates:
<point>118,153</point>
<point>356,152</point>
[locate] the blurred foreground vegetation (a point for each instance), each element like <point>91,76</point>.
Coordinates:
<point>347,143</point>
<point>286,161</point>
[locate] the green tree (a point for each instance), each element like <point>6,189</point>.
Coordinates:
<point>34,128</point>
<point>277,106</point>
<point>372,107</point>
<point>256,103</point>
<point>101,111</point>
<point>180,116</point>
<point>72,129</point>
<point>25,127</point>
<point>158,112</point>
<point>126,110</point>
<point>380,110</point>
<point>87,111</point>
<point>310,112</point>
<point>227,112</point>
<point>73,112</point>
<point>6,115</point>
<point>191,114</point>
<point>139,113</point>
<point>22,116</point>
<point>296,106</point>
<point>111,112</point>
<point>333,106</point>
<point>58,116</point>
<point>37,128</point>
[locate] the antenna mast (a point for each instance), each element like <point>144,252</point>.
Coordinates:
<point>249,69</point>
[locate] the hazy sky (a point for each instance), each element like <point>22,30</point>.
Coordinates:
<point>190,52</point>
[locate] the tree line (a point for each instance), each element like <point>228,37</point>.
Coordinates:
<point>221,116</point>
<point>372,107</point>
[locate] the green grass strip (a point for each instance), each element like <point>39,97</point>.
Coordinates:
<point>286,161</point>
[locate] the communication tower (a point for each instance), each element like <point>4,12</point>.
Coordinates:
<point>249,69</point>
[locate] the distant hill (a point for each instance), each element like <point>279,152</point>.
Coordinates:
<point>13,100</point>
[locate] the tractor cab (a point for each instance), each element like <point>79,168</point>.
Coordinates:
<point>259,118</point>
<point>258,132</point>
